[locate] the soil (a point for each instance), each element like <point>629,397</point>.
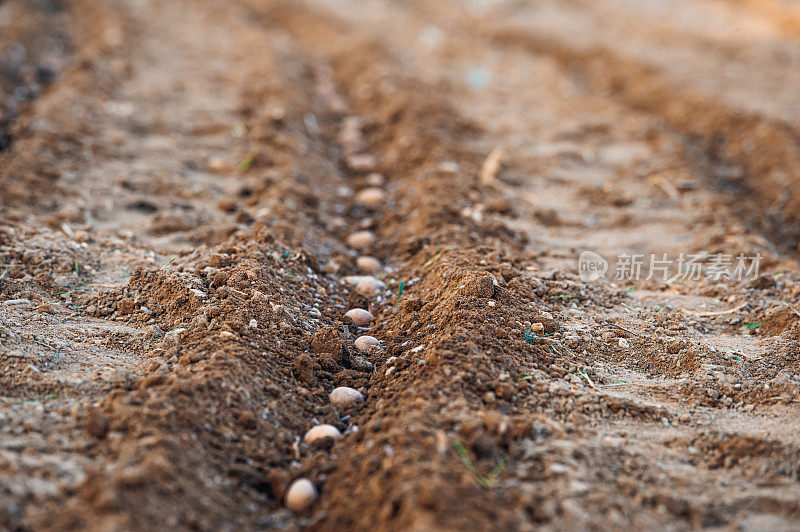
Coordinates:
<point>177,189</point>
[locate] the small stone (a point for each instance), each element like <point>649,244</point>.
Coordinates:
<point>390,371</point>
<point>322,435</point>
<point>331,267</point>
<point>361,240</point>
<point>362,162</point>
<point>174,335</point>
<point>344,398</point>
<point>375,179</point>
<point>368,264</point>
<point>217,164</point>
<point>365,342</point>
<point>360,317</point>
<point>623,343</point>
<point>361,364</point>
<point>372,197</point>
<point>97,423</point>
<point>537,327</point>
<point>301,495</point>
<point>253,324</point>
<point>370,287</point>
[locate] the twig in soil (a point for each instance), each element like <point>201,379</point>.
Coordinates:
<point>402,287</point>
<point>709,314</point>
<point>439,254</point>
<point>173,259</point>
<point>585,375</point>
<point>58,353</point>
<point>556,351</point>
<point>491,166</point>
<point>666,186</point>
<point>486,482</point>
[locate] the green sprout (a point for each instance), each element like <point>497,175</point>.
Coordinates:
<point>486,482</point>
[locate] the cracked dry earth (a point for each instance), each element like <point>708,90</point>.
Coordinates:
<point>188,192</point>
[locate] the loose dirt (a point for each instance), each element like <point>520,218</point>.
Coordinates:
<point>192,194</point>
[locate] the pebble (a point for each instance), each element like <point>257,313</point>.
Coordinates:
<point>371,197</point>
<point>623,343</point>
<point>355,279</point>
<point>375,179</point>
<point>368,264</point>
<point>321,432</point>
<point>370,287</point>
<point>361,239</point>
<point>217,164</point>
<point>253,324</point>
<point>174,335</point>
<point>343,398</point>
<point>360,317</point>
<point>365,342</point>
<point>361,162</point>
<point>301,495</point>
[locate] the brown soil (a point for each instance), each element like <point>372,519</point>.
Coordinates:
<point>177,185</point>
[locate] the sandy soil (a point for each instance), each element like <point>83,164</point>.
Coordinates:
<point>179,186</point>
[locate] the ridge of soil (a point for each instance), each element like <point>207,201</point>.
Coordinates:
<point>176,211</point>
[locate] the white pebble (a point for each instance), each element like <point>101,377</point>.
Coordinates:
<point>253,324</point>
<point>375,179</point>
<point>360,317</point>
<point>368,264</point>
<point>174,335</point>
<point>361,240</point>
<point>301,495</point>
<point>343,398</point>
<point>320,432</point>
<point>370,287</point>
<point>371,197</point>
<point>623,343</point>
<point>355,279</point>
<point>361,162</point>
<point>365,342</point>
